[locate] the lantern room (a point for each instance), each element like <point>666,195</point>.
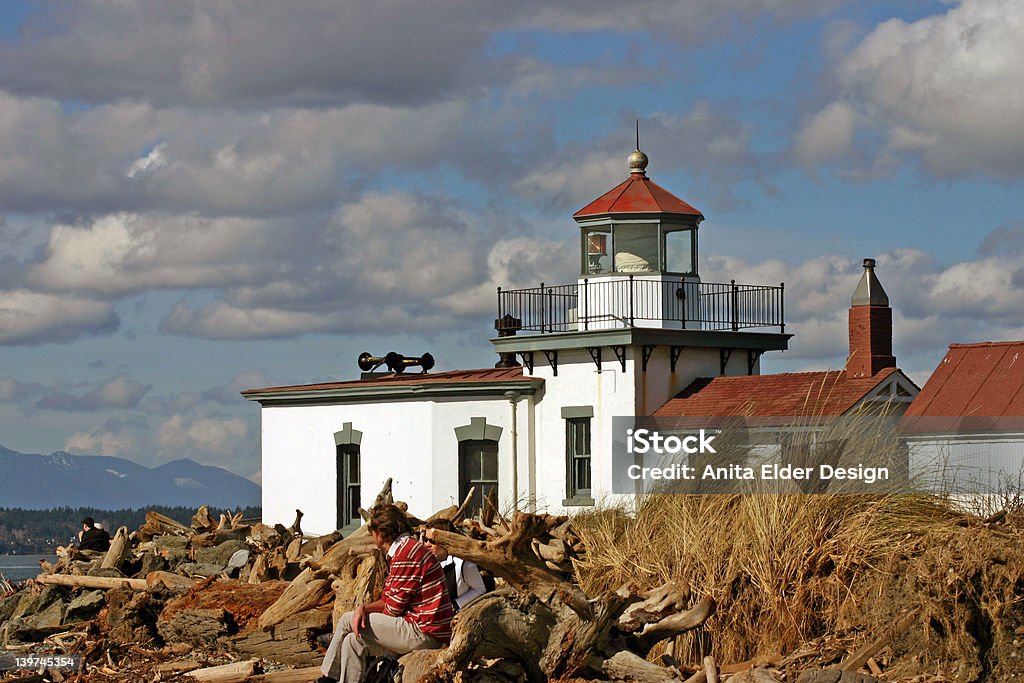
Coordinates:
<point>638,227</point>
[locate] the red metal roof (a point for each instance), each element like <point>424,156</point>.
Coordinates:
<point>637,194</point>
<point>975,380</point>
<point>454,377</point>
<point>790,394</point>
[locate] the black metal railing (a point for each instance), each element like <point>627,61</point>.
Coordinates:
<point>606,303</point>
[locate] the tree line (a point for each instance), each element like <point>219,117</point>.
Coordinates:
<point>40,531</point>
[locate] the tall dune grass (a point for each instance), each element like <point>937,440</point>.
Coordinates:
<point>787,568</point>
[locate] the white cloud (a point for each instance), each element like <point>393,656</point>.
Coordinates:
<point>209,435</point>
<point>118,392</point>
<point>102,442</point>
<point>941,89</point>
<point>125,253</point>
<point>827,136</point>
<point>28,317</point>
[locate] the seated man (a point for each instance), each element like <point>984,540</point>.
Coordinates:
<point>462,577</point>
<point>413,613</point>
<point>91,537</point>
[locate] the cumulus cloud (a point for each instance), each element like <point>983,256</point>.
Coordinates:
<point>125,253</point>
<point>17,392</point>
<point>28,317</point>
<point>118,392</point>
<point>262,51</point>
<point>937,89</point>
<point>208,435</point>
<point>934,303</point>
<point>388,261</point>
<point>706,132</point>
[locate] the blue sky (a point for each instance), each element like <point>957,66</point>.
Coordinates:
<point>199,198</point>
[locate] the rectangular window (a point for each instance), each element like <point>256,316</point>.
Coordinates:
<point>348,492</point>
<point>577,460</point>
<point>478,470</point>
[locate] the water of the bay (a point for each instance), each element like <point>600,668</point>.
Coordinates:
<point>21,567</point>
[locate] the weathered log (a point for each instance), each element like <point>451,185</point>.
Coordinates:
<point>102,582</point>
<point>203,521</point>
<point>309,589</point>
<point>169,580</point>
<point>313,584</point>
<point>258,572</point>
<point>235,672</point>
<point>296,527</point>
<point>461,511</point>
<point>291,642</point>
<point>710,669</point>
<point>626,666</point>
<point>288,676</point>
<point>676,624</point>
<point>118,551</point>
<point>359,582</point>
<point>511,558</point>
<point>172,668</point>
<point>200,626</point>
<point>157,524</point>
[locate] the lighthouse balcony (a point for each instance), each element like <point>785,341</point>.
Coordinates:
<point>641,301</point>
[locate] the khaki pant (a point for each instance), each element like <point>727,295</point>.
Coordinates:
<point>346,655</point>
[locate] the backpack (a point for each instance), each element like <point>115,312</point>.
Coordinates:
<point>384,669</point>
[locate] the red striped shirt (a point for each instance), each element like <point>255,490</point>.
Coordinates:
<point>415,589</point>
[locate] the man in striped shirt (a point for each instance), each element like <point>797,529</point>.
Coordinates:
<point>414,611</point>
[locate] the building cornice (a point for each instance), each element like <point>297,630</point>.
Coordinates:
<point>369,392</point>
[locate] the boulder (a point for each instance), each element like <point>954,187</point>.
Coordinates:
<point>195,569</point>
<point>85,606</point>
<point>220,554</point>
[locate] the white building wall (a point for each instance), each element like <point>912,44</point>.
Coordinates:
<point>412,441</point>
<point>578,383</point>
<point>612,393</point>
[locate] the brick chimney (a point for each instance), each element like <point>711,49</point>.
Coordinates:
<point>870,327</point>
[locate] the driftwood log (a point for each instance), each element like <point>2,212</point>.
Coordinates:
<point>540,625</point>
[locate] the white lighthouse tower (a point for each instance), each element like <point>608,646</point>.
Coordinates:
<point>637,327</point>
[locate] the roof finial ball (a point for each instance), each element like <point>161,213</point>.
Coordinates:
<point>638,162</point>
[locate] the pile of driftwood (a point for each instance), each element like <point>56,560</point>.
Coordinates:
<point>224,600</point>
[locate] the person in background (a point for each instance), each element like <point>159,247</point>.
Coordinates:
<point>465,584</point>
<point>92,537</point>
<point>414,611</point>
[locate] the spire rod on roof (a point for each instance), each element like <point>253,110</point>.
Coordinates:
<point>637,160</point>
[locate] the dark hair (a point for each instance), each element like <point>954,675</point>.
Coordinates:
<point>89,522</point>
<point>388,521</point>
<point>442,524</point>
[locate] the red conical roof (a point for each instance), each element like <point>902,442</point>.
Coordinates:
<point>638,194</point>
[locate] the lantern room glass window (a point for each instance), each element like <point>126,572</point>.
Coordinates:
<point>636,248</point>
<point>639,248</point>
<point>680,251</point>
<point>597,246</point>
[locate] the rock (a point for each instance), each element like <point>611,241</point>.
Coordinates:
<point>834,676</point>
<point>168,543</point>
<point>197,626</point>
<point>108,572</point>
<point>33,603</point>
<point>239,559</point>
<point>204,570</point>
<point>755,676</point>
<point>8,605</point>
<point>51,617</point>
<point>151,562</point>
<point>85,606</point>
<point>219,554</point>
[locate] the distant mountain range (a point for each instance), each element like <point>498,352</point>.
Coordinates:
<point>38,482</point>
